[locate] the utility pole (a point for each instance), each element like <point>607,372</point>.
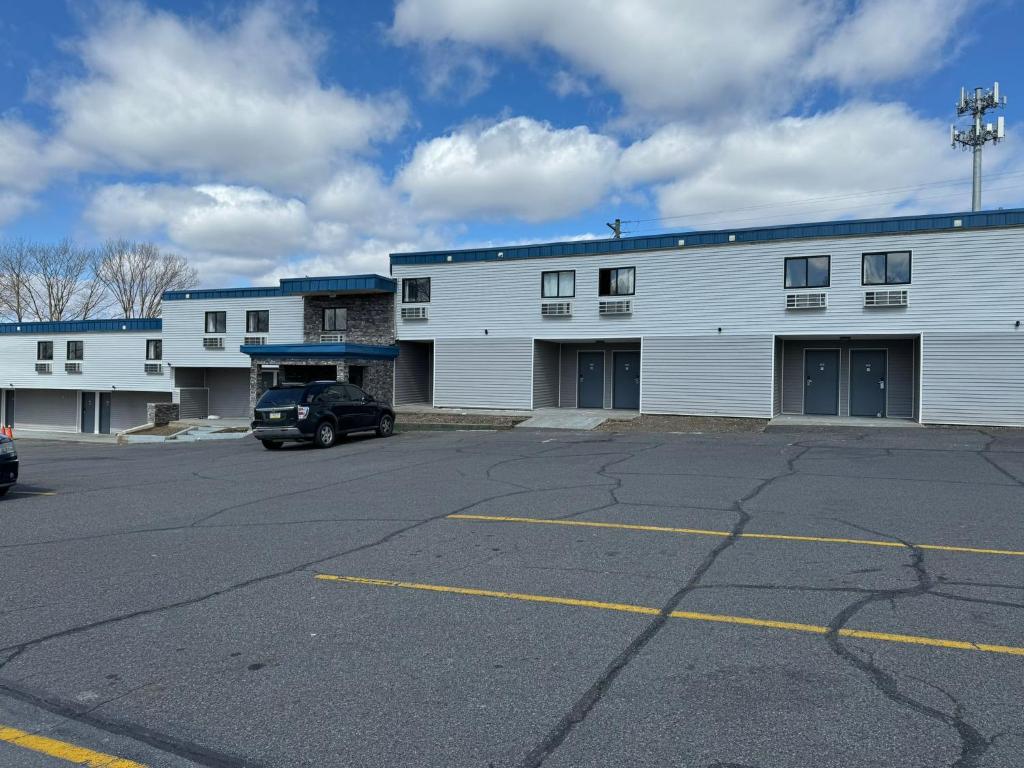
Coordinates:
<point>616,228</point>
<point>976,105</point>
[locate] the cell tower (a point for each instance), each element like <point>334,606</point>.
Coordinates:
<point>975,105</point>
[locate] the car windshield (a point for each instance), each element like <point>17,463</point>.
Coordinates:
<point>281,397</point>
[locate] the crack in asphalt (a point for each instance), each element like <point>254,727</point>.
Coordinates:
<point>973,744</point>
<point>585,704</point>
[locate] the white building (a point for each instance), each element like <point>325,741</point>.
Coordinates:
<point>912,317</point>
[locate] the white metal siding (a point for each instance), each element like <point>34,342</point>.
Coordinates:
<point>184,328</point>
<point>128,409</point>
<point>483,373</point>
<point>707,375</point>
<point>52,410</point>
<point>545,374</point>
<point>229,392</point>
<point>970,378</point>
<point>739,287</point>
<point>111,359</point>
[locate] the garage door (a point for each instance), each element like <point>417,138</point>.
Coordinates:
<point>48,409</point>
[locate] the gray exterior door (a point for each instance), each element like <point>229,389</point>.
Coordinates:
<point>821,382</point>
<point>590,391</point>
<point>867,382</point>
<point>88,412</point>
<point>105,413</point>
<point>626,381</point>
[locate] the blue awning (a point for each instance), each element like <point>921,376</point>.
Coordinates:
<point>321,351</point>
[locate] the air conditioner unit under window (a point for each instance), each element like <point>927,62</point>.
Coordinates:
<point>154,368</point>
<point>414,313</point>
<point>43,368</point>
<point>72,367</point>
<point>890,298</point>
<point>556,309</point>
<point>332,338</point>
<point>615,307</point>
<point>213,342</point>
<point>255,341</point>
<point>806,300</point>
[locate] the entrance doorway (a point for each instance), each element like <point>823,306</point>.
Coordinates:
<point>821,382</point>
<point>626,380</point>
<point>88,423</point>
<point>868,368</point>
<point>590,389</point>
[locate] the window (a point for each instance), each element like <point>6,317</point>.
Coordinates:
<point>617,282</point>
<point>415,290</point>
<point>891,268</point>
<point>44,350</point>
<point>355,394</point>
<point>335,319</point>
<point>76,350</point>
<point>257,321</point>
<point>558,285</point>
<point>808,272</point>
<point>216,322</point>
<point>154,349</point>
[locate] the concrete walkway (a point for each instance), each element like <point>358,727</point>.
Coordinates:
<point>573,418</point>
<point>67,437</point>
<point>838,421</point>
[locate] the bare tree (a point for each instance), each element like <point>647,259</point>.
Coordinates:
<point>58,271</point>
<point>15,275</point>
<point>137,275</point>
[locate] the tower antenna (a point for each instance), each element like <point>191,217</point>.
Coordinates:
<point>975,105</point>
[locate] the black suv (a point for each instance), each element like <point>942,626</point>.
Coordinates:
<point>318,412</point>
<point>8,464</point>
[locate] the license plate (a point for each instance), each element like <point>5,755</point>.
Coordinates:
<point>276,415</point>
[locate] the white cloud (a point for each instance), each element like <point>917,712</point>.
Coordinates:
<point>888,40</point>
<point>242,221</point>
<point>518,168</point>
<point>164,95</point>
<point>673,58</point>
<point>565,83</point>
<point>779,170</point>
<point>235,234</point>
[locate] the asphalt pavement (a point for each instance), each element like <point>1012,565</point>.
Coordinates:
<point>801,597</point>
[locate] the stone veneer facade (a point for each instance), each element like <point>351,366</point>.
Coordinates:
<point>371,320</point>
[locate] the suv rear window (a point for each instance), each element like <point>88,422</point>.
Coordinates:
<point>281,397</point>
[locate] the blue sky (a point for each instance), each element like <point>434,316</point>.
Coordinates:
<point>268,139</point>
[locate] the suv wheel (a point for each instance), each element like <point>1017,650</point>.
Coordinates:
<point>4,490</point>
<point>325,435</point>
<point>386,425</point>
<point>271,445</point>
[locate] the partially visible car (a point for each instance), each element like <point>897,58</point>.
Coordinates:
<point>318,412</point>
<point>8,464</point>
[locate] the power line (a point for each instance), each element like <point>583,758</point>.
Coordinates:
<point>824,198</point>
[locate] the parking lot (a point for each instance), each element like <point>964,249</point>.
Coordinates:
<point>525,598</point>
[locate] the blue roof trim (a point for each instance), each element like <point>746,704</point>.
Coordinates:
<point>850,228</point>
<point>316,351</point>
<point>338,284</point>
<point>291,286</point>
<point>84,326</point>
<point>222,293</point>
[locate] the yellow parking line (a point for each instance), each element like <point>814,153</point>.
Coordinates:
<point>690,615</point>
<point>702,532</point>
<point>63,751</point>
